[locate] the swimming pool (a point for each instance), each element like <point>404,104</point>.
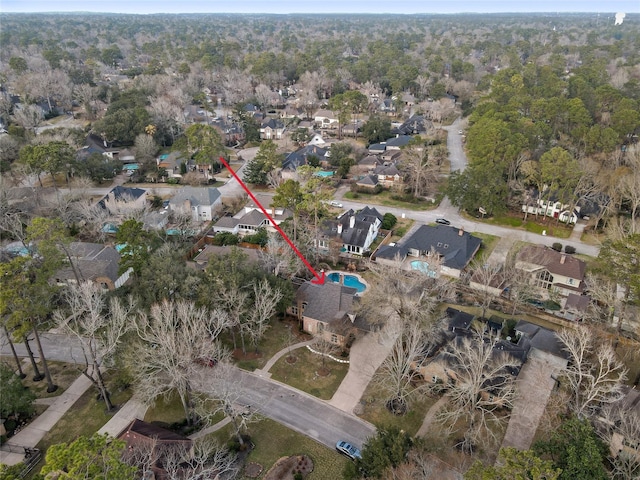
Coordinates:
<point>422,266</point>
<point>349,281</point>
<point>324,174</point>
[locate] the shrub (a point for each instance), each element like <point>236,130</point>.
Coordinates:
<point>557,246</point>
<point>388,221</point>
<point>569,249</point>
<point>225,238</point>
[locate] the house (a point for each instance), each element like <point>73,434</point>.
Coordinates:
<point>454,247</point>
<point>576,306</point>
<point>155,443</point>
<point>368,164</point>
<point>92,262</point>
<point>251,219</point>
<point>369,182</point>
<point>377,148</point>
<point>624,435</point>
<point>271,129</point>
<point>326,119</point>
<point>549,205</point>
<point>388,175</point>
<point>121,199</point>
<point>355,230</point>
<point>387,107</point>
<point>171,163</point>
<point>302,157</point>
<point>415,125</point>
<point>327,311</point>
<point>552,271</point>
<point>397,142</point>
<point>198,202</point>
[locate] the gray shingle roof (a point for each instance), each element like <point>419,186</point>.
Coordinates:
<point>92,260</point>
<point>455,248</point>
<point>196,195</point>
<point>327,302</point>
<point>555,262</point>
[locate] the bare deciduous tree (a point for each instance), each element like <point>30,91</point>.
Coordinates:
<point>28,116</point>
<point>174,336</point>
<point>420,168</point>
<point>265,301</point>
<point>487,280</point>
<point>398,373</point>
<point>594,374</point>
<point>222,393</point>
<point>480,391</point>
<point>279,258</point>
<point>621,427</point>
<point>97,327</point>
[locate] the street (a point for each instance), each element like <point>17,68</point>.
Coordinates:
<point>295,409</point>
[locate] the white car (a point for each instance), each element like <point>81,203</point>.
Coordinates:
<point>347,449</point>
<point>335,203</point>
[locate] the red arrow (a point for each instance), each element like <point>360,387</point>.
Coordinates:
<point>319,280</point>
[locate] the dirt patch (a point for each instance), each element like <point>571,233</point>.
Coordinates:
<point>323,372</point>
<point>253,470</point>
<point>286,467</point>
<point>291,359</point>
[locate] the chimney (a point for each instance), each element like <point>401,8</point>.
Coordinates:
<point>461,231</point>
<point>352,221</point>
<point>562,259</point>
<point>339,229</point>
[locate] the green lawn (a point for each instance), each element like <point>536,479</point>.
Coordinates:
<point>489,242</point>
<point>384,198</point>
<point>281,333</point>
<point>533,224</point>
<point>273,441</point>
<point>63,375</point>
<point>85,417</point>
<point>303,374</point>
<point>377,413</point>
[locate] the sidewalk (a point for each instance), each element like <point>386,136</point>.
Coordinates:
<point>124,416</point>
<point>31,435</point>
<point>264,371</point>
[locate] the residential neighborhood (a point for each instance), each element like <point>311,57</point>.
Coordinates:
<point>319,246</point>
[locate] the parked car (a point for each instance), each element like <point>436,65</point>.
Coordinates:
<point>443,221</point>
<point>335,203</point>
<point>347,449</point>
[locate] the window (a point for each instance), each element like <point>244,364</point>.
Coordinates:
<point>304,305</point>
<point>334,338</point>
<point>544,279</point>
<point>320,327</point>
<point>439,244</point>
<point>294,310</point>
<point>435,379</point>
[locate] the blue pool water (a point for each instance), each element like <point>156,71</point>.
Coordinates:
<point>164,156</point>
<point>131,166</point>
<point>324,174</point>
<point>349,281</point>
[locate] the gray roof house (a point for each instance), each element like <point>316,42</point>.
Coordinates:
<point>397,142</point>
<point>327,311</point>
<point>355,230</point>
<point>454,246</point>
<point>271,128</point>
<point>415,125</point>
<point>198,202</point>
<point>120,198</point>
<point>93,262</point>
<point>301,157</point>
<point>250,219</point>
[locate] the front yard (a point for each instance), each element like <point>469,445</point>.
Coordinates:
<point>386,199</point>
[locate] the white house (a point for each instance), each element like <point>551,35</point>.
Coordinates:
<point>199,202</point>
<point>326,119</point>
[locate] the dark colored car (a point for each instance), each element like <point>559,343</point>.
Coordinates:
<point>443,221</point>
<point>347,449</point>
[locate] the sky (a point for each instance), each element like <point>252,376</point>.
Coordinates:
<point>319,6</point>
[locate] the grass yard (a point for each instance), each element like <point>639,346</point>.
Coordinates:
<point>85,417</point>
<point>303,373</point>
<point>273,441</point>
<point>401,228</point>
<point>166,410</point>
<point>533,225</point>
<point>283,332</point>
<point>376,412</point>
<point>384,198</point>
<point>489,242</point>
<point>63,375</point>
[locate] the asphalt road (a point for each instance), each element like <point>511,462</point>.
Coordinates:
<point>290,407</point>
